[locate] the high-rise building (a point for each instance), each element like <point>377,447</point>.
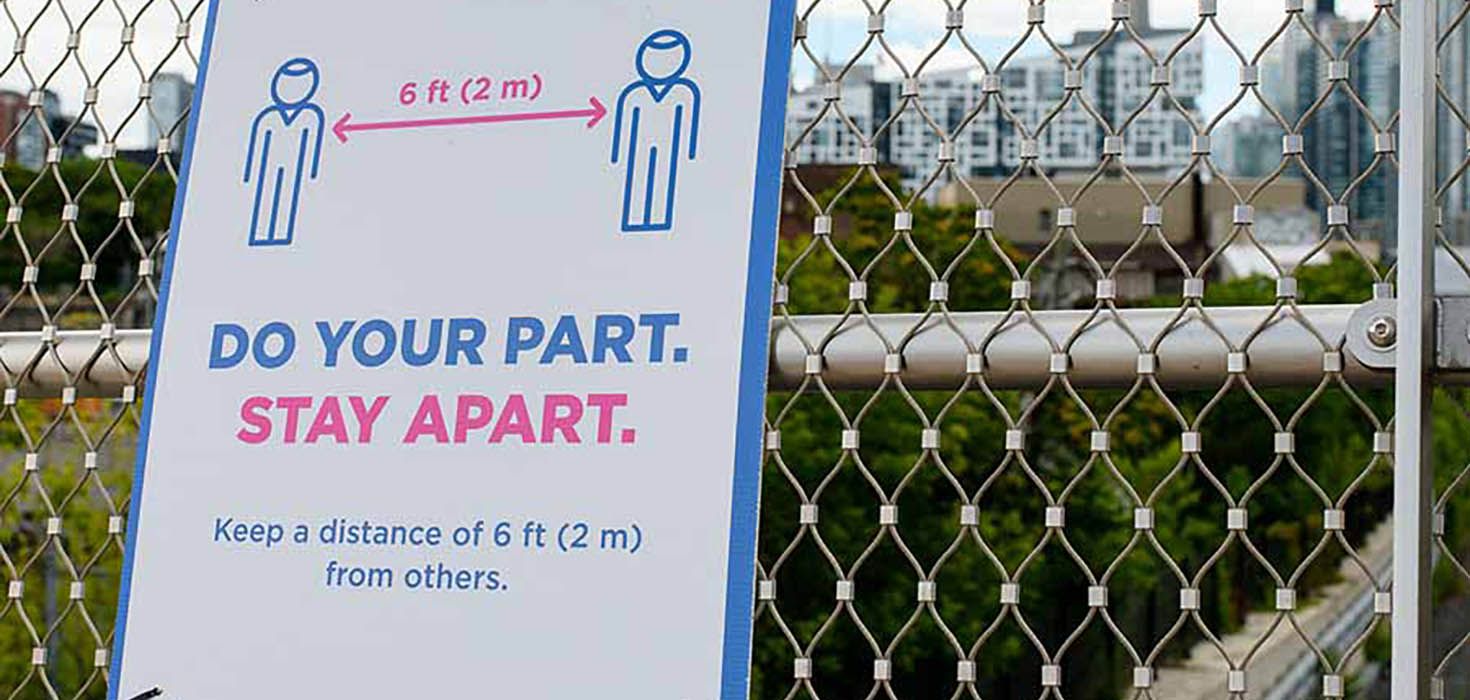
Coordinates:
<point>170,96</point>
<point>1342,97</point>
<point>25,121</point>
<point>959,110</point>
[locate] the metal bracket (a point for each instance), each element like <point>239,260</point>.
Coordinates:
<point>1372,334</point>
<point>1452,329</point>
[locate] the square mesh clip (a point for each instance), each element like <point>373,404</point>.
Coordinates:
<point>1285,599</point>
<point>1383,443</point>
<point>927,592</point>
<point>1201,145</point>
<point>1060,363</point>
<point>11,395</point>
<point>53,526</point>
<point>1243,214</point>
<point>1121,11</point>
<point>867,155</point>
<point>783,294</point>
<point>773,440</point>
<point>985,218</point>
<point>888,515</point>
<point>974,363</point>
<point>1107,290</point>
<point>1189,442</point>
<point>969,515</point>
<point>947,152</point>
<point>851,439</point>
<point>875,23</point>
<point>1153,215</point>
<point>99,658</point>
<point>857,291</point>
<point>1331,686</point>
<point>1030,150</point>
<point>1235,681</point>
<point>1383,603</point>
<point>1286,288</point>
<point>1148,364</point>
<point>1194,288</point>
<point>1383,143</point>
<point>954,19</point>
<point>1010,593</point>
<point>808,514</point>
<point>1236,363</point>
<point>990,83</point>
<point>1337,215</point>
<point>1072,79</point>
<point>814,364</point>
<point>13,214</point>
<point>892,363</point>
<point>1035,14</point>
<point>910,88</point>
<point>1237,519</point>
<point>115,525</point>
<point>1143,518</point>
<point>1051,676</point>
<point>89,272</point>
<point>1292,145</point>
<point>1161,76</point>
<point>1066,216</point>
<point>30,274</point>
<point>1015,440</point>
<point>70,212</point>
<point>1020,290</point>
<point>1102,441</point>
<point>1206,9</point>
<point>1284,443</point>
<point>1189,599</point>
<point>1337,70</point>
<point>1112,145</point>
<point>38,656</point>
<point>1097,596</point>
<point>1334,520</point>
<point>33,462</point>
<point>903,221</point>
<point>1143,677</point>
<point>17,589</point>
<point>766,590</point>
<point>882,670</point>
<point>844,590</point>
<point>938,291</point>
<point>965,672</point>
<point>89,461</point>
<point>1331,362</point>
<point>929,439</point>
<point>802,669</point>
<point>76,590</point>
<point>1056,517</point>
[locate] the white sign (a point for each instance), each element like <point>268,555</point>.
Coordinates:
<point>459,371</point>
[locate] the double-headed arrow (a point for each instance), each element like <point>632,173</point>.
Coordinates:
<point>345,126</point>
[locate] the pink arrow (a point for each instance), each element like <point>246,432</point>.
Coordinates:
<point>346,126</point>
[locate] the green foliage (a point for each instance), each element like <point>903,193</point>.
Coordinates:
<point>1333,428</point>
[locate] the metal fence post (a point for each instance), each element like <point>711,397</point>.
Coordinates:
<point>1413,470</point>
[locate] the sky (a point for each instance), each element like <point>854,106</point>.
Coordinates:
<point>838,28</point>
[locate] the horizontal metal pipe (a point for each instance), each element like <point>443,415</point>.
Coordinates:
<point>96,368</point>
<point>1018,348</point>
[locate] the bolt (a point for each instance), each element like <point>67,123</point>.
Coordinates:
<point>1383,332</point>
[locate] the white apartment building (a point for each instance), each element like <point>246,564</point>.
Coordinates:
<point>952,105</point>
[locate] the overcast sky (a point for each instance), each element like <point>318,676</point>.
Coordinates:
<point>838,27</point>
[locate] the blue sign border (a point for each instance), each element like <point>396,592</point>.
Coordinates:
<point>750,415</point>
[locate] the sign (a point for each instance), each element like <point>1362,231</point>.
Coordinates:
<point>459,370</point>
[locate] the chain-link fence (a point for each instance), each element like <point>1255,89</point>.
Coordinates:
<point>1064,399</point>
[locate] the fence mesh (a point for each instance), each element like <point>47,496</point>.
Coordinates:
<point>952,157</point>
<point>943,157</point>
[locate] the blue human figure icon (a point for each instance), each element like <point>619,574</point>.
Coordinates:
<point>656,126</point>
<point>285,149</point>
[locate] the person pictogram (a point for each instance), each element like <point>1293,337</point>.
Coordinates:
<point>285,148</point>
<point>656,126</point>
